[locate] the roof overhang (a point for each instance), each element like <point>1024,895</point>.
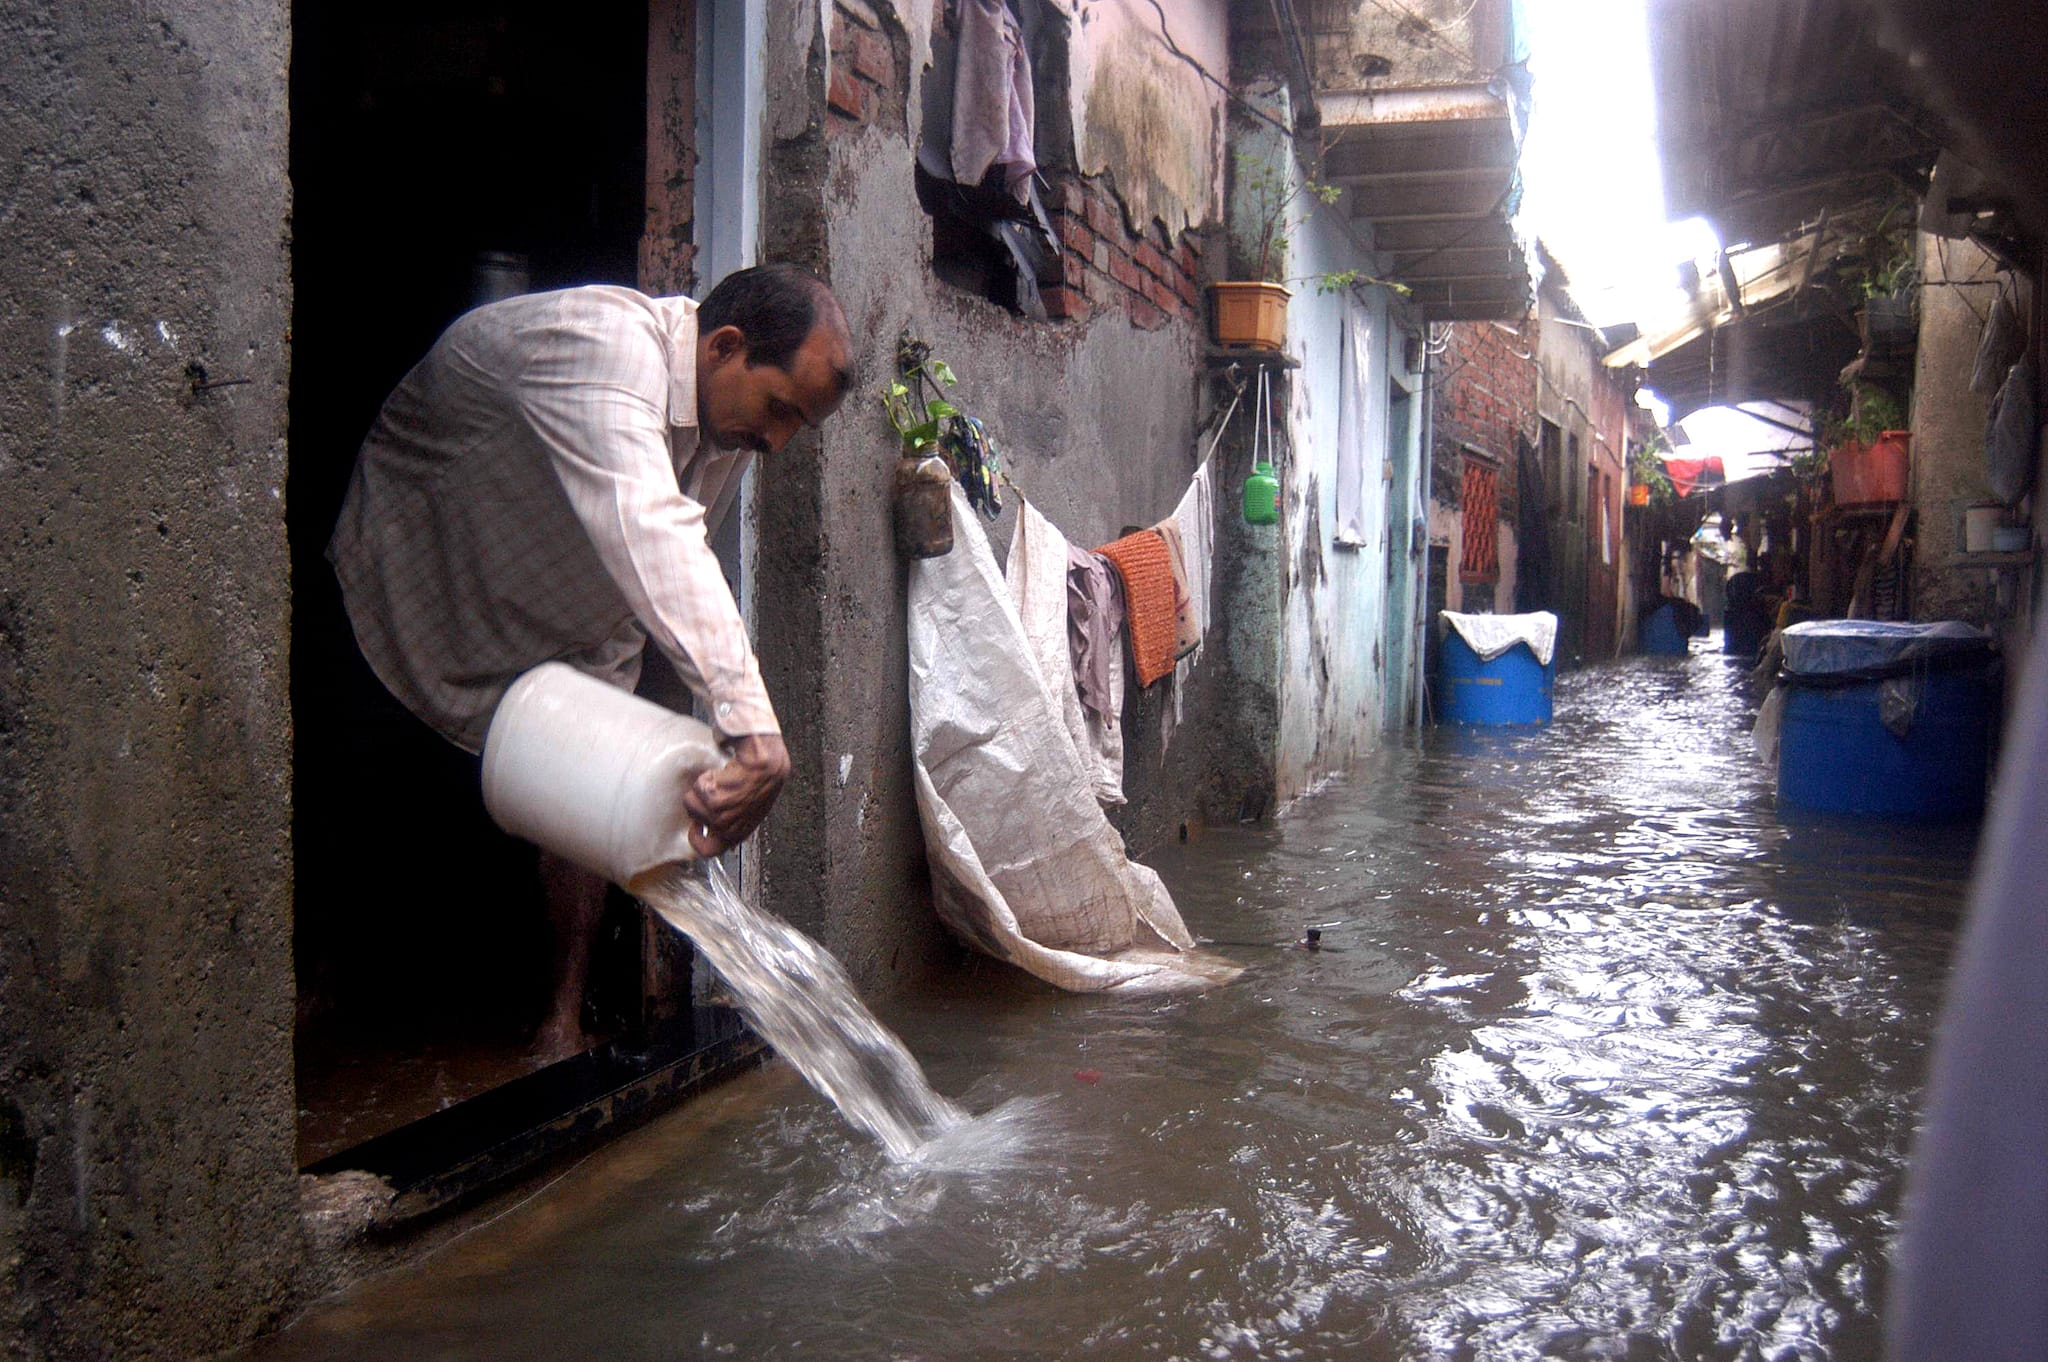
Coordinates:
<point>1434,170</point>
<point>1769,111</point>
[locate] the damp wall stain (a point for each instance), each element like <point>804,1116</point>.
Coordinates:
<point>1149,121</point>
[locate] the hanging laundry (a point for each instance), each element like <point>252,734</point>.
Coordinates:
<point>1196,518</point>
<point>1037,575</point>
<point>994,110</point>
<point>1187,631</point>
<point>1024,865</point>
<point>1145,564</point>
<point>1095,626</point>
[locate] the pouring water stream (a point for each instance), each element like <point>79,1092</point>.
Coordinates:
<point>797,998</point>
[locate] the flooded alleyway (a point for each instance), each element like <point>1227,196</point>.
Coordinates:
<point>1599,1060</point>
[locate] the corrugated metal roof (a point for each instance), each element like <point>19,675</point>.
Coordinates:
<point>1770,110</point>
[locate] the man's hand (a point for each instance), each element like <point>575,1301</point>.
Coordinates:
<point>727,804</point>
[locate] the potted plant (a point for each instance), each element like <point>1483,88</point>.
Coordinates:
<point>923,505</point>
<point>1253,311</point>
<point>1868,450</point>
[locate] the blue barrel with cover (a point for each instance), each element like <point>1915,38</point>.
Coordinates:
<point>1887,720</point>
<point>1497,668</point>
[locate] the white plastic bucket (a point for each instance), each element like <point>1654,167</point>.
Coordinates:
<point>1980,526</point>
<point>593,773</point>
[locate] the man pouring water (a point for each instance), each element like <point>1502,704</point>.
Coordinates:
<point>543,486</point>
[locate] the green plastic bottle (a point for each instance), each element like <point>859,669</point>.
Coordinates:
<point>1261,495</point>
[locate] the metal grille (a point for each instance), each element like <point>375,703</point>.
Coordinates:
<point>1480,559</point>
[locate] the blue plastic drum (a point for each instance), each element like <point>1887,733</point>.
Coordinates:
<point>1662,635</point>
<point>1514,688</point>
<point>1836,756</point>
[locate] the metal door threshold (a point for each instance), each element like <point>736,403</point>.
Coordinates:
<point>462,1150</point>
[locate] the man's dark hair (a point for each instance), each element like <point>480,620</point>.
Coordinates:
<point>774,306</point>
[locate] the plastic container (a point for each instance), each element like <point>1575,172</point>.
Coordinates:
<point>1513,688</point>
<point>1262,495</point>
<point>1250,313</point>
<point>594,773</point>
<point>1865,475</point>
<point>1836,756</point>
<point>1980,525</point>
<point>1661,635</point>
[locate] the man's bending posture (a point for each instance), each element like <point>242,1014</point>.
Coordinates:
<point>542,486</point>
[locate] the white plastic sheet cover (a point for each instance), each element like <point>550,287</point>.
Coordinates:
<point>1024,865</point>
<point>1491,635</point>
<point>1849,647</point>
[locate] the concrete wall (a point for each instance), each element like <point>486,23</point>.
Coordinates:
<point>147,1182</point>
<point>1418,43</point>
<point>1948,432</point>
<point>1342,650</point>
<point>1334,616</point>
<point>1565,366</point>
<point>1095,414</point>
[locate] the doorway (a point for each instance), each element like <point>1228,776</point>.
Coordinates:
<point>444,152</point>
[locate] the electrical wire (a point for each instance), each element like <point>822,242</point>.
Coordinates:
<point>1165,36</point>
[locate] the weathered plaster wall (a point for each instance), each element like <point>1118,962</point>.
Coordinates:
<point>1948,433</point>
<point>1565,365</point>
<point>147,1181</point>
<point>1096,419</point>
<point>1416,43</point>
<point>1144,116</point>
<point>1336,617</point>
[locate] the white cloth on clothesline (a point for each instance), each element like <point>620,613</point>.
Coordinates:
<point>1196,516</point>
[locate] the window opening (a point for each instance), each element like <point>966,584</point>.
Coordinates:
<point>988,238</point>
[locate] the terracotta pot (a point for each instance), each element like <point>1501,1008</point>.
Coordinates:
<point>1250,314</point>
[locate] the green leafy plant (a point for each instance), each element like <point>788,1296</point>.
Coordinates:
<point>1646,468</point>
<point>916,410</point>
<point>1879,262</point>
<point>1872,411</point>
<point>1268,185</point>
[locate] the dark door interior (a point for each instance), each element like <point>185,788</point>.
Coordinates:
<point>440,150</point>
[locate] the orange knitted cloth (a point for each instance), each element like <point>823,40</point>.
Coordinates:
<point>1145,564</point>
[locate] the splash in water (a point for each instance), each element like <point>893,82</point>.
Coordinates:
<point>797,998</point>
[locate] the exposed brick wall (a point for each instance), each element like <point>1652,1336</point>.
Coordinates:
<point>1152,278</point>
<point>1485,395</point>
<point>867,83</point>
<point>1106,265</point>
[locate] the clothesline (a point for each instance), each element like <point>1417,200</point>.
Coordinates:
<point>1003,475</point>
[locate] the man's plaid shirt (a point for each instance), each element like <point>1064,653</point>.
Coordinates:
<point>534,490</point>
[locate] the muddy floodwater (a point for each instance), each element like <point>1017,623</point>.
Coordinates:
<point>1600,1059</point>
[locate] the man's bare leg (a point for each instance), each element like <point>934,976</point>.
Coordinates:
<point>575,900</point>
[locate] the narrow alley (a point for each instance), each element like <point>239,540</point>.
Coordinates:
<point>1599,1058</point>
<point>930,680</point>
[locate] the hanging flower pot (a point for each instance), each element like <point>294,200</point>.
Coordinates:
<point>1253,314</point>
